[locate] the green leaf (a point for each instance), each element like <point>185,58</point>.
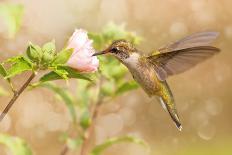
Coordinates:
<point>98,40</point>
<point>13,59</point>
<point>118,72</point>
<point>65,96</point>
<point>4,73</point>
<point>114,32</point>
<point>62,73</point>
<point>12,14</point>
<point>129,139</point>
<point>85,120</point>
<point>16,145</point>
<point>51,76</point>
<point>28,61</point>
<point>113,69</point>
<point>63,56</point>
<point>83,93</point>
<point>133,38</point>
<point>2,70</point>
<point>74,143</point>
<point>110,33</point>
<point>126,86</point>
<point>19,65</point>
<point>108,88</point>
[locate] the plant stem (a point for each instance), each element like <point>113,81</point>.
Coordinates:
<point>16,95</point>
<point>11,86</point>
<point>65,150</point>
<point>90,130</point>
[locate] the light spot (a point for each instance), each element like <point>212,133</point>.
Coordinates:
<point>100,134</point>
<point>3,27</point>
<point>132,102</point>
<point>222,72</point>
<point>136,150</point>
<point>178,29</point>
<point>197,5</point>
<point>110,107</point>
<point>111,9</point>
<point>203,17</point>
<point>112,123</point>
<point>206,131</point>
<point>5,124</point>
<point>199,117</point>
<point>213,107</point>
<point>136,134</point>
<point>228,31</point>
<point>56,122</point>
<point>128,116</point>
<point>175,140</point>
<point>38,115</point>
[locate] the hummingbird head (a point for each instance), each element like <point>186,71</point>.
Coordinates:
<point>121,49</point>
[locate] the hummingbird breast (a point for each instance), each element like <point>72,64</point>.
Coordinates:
<point>143,74</point>
<point>146,77</point>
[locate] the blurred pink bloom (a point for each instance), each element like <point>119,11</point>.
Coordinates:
<point>82,59</point>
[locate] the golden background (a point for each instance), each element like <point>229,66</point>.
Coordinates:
<point>203,95</point>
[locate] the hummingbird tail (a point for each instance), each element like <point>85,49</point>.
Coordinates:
<point>167,102</point>
<point>172,113</point>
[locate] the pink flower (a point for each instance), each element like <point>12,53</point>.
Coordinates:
<point>82,59</point>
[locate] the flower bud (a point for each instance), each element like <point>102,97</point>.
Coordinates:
<point>49,51</point>
<point>34,52</point>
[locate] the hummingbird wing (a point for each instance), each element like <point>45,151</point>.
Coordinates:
<point>180,56</point>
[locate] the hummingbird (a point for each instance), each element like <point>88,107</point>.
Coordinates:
<point>151,71</point>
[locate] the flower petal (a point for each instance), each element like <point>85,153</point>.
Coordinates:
<point>82,58</point>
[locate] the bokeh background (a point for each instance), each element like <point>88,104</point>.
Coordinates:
<point>203,94</point>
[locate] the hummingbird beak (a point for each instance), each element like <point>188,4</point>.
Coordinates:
<point>100,53</point>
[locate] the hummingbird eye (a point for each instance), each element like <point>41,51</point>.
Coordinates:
<point>114,50</point>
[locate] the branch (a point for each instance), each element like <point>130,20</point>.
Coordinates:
<point>16,95</point>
